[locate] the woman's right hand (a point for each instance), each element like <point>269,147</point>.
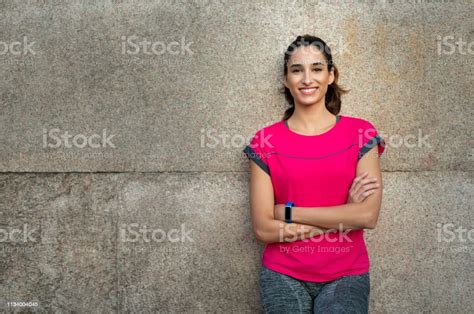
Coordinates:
<point>361,188</point>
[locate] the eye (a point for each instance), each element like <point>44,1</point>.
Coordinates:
<point>296,70</point>
<point>317,70</point>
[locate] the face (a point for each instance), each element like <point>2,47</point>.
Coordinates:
<point>308,76</point>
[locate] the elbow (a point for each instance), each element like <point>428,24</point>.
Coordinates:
<point>370,225</point>
<point>262,237</point>
<point>371,219</point>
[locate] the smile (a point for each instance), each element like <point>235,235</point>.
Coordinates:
<point>309,90</point>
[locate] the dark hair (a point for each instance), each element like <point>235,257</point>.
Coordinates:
<point>334,92</point>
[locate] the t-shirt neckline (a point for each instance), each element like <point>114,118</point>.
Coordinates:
<point>338,119</point>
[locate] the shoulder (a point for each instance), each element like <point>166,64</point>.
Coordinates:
<point>358,122</point>
<point>271,127</point>
<point>262,143</point>
<point>265,137</point>
<point>361,126</point>
<point>367,135</point>
<point>269,130</point>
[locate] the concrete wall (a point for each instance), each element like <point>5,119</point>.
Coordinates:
<point>70,215</point>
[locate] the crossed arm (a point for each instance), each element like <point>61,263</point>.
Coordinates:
<point>268,223</point>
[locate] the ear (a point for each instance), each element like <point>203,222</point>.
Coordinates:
<point>331,76</point>
<point>284,81</point>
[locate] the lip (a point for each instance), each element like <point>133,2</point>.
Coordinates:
<point>309,90</point>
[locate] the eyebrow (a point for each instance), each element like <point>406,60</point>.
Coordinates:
<point>298,65</point>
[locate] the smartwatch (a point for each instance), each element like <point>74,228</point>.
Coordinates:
<point>288,209</point>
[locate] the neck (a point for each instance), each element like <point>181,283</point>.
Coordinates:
<point>312,118</point>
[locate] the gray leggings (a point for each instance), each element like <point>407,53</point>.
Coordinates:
<point>284,294</point>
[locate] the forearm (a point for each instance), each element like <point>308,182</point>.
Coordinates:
<point>279,231</point>
<point>347,216</point>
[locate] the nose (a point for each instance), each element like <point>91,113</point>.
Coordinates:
<point>307,77</point>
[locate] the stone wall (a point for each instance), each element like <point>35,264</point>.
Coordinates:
<point>123,187</point>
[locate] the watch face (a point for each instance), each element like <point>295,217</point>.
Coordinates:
<point>287,213</point>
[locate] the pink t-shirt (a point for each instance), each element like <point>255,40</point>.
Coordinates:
<point>315,171</point>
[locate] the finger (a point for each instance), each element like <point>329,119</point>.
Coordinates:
<point>355,182</point>
<point>360,187</point>
<point>367,187</point>
<point>362,175</point>
<point>369,180</point>
<point>366,194</point>
<point>371,186</point>
<point>359,178</point>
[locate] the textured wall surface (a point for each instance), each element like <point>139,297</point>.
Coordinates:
<point>122,184</point>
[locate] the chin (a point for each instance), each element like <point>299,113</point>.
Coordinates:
<point>308,101</point>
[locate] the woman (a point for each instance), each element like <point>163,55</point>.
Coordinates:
<point>326,164</point>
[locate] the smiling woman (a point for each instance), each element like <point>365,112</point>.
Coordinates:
<point>323,166</point>
<point>325,75</point>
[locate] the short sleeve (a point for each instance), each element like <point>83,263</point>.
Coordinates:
<point>258,150</point>
<point>367,138</point>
